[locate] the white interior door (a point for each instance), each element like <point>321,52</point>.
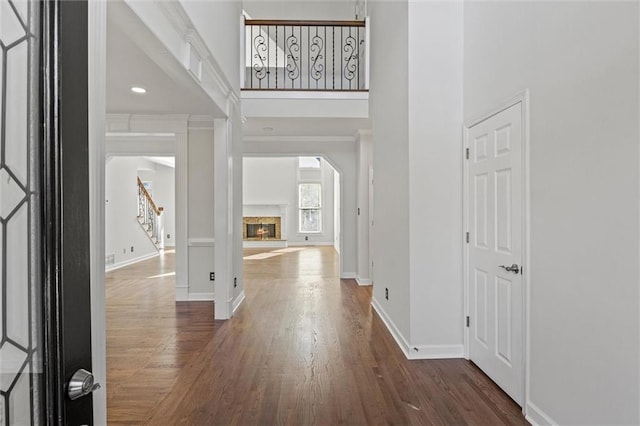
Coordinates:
<point>495,248</point>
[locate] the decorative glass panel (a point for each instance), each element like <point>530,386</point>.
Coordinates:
<point>21,378</point>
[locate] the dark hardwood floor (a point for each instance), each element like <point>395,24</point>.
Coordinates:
<point>305,348</point>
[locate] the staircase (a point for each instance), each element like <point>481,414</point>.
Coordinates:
<point>150,217</point>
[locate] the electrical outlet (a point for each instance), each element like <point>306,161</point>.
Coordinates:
<point>386,293</point>
<point>235,282</point>
<point>131,249</point>
<point>306,238</point>
<point>168,236</point>
<point>212,276</point>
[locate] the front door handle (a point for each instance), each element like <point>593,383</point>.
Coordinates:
<point>81,384</point>
<point>513,268</point>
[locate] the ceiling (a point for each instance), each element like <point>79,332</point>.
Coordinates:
<point>136,58</point>
<point>129,64</point>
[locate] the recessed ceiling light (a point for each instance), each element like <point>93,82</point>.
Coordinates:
<point>267,129</point>
<point>138,89</point>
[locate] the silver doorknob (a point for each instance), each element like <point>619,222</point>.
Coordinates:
<point>81,384</point>
<point>513,268</point>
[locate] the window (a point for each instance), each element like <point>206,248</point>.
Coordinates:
<point>309,207</point>
<point>308,162</point>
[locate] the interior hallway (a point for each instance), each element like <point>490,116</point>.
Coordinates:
<point>304,348</point>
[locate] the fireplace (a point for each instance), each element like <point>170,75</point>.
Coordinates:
<point>261,228</point>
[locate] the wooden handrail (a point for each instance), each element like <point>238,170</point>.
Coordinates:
<point>158,210</point>
<point>305,23</point>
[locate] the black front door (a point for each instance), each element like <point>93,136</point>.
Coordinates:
<point>66,172</point>
<point>44,215</point>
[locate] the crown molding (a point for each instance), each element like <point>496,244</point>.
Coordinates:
<point>325,139</point>
<point>142,123</point>
<point>199,60</point>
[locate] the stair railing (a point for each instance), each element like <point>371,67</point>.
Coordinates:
<point>149,215</point>
<point>306,55</point>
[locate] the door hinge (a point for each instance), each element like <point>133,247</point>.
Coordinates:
<point>467,238</point>
<point>467,321</point>
<point>466,153</point>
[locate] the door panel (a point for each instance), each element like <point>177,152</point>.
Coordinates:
<point>44,243</point>
<point>21,357</point>
<point>495,228</point>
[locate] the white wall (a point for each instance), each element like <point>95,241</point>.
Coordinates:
<point>122,229</point>
<point>336,209</point>
<point>389,116</point>
<point>164,185</point>
<point>274,181</point>
<point>342,156</point>
<point>416,109</point>
<point>435,176</point>
<point>365,161</point>
<point>301,10</point>
<point>580,62</point>
<point>201,218</point>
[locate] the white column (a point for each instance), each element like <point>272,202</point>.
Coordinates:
<point>223,217</point>
<point>182,217</point>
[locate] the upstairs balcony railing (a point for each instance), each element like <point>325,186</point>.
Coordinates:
<point>306,55</point>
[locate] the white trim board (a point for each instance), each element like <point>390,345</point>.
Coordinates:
<point>414,352</point>
<point>265,244</point>
<point>202,297</point>
<point>363,281</point>
<point>131,261</point>
<point>309,244</point>
<point>237,302</point>
<point>182,293</point>
<point>536,416</point>
<point>201,242</point>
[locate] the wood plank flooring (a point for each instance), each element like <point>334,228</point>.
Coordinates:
<point>305,348</point>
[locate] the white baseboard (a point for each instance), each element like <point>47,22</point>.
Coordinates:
<point>308,243</point>
<point>399,338</point>
<point>182,294</point>
<point>202,297</point>
<point>265,244</point>
<point>348,276</point>
<point>436,352</point>
<point>536,416</point>
<point>363,281</point>
<point>238,301</point>
<point>417,351</point>
<point>131,261</point>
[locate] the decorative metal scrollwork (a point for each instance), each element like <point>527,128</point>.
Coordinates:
<point>315,52</point>
<point>293,69</point>
<point>351,58</point>
<point>261,49</point>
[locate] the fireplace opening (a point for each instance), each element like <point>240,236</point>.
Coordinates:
<point>261,230</point>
